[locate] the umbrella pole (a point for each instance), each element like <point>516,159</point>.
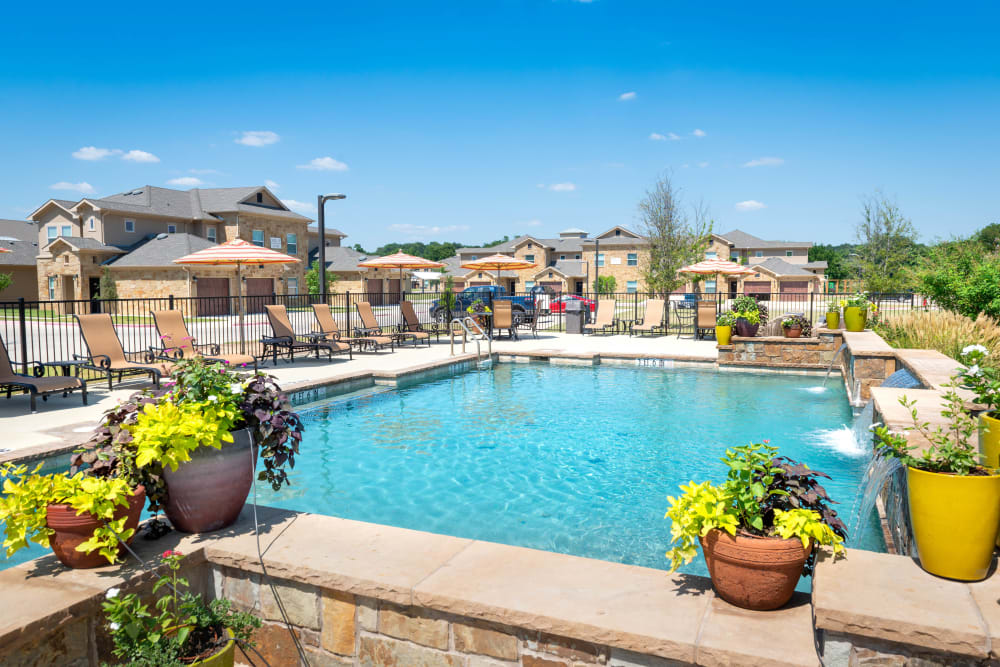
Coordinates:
<point>239,298</point>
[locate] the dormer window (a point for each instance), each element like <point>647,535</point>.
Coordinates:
<point>618,232</point>
<point>260,197</point>
<point>529,245</point>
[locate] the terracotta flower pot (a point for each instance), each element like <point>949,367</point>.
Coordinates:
<point>745,329</point>
<point>73,530</point>
<point>752,572</point>
<point>793,332</point>
<point>208,492</point>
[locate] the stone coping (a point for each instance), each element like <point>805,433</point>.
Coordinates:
<point>931,367</point>
<point>812,340</point>
<point>647,611</point>
<point>889,598</point>
<point>867,344</point>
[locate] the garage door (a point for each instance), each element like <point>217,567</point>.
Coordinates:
<point>757,287</point>
<point>555,286</point>
<point>258,291</point>
<point>213,296</point>
<point>392,296</point>
<point>475,283</point>
<point>794,287</point>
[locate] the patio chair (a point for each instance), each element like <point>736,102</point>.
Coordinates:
<point>177,343</point>
<point>605,317</point>
<point>652,319</point>
<point>370,327</point>
<point>705,321</point>
<point>105,353</point>
<point>37,386</point>
<point>286,341</point>
<point>327,326</point>
<point>411,324</point>
<point>503,318</point>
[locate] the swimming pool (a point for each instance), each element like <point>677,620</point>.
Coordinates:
<point>578,460</point>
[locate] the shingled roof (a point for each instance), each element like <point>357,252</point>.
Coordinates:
<point>161,250</point>
<point>21,239</point>
<point>193,204</point>
<point>741,239</point>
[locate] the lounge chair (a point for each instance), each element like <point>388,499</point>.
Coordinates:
<point>411,324</point>
<point>286,341</point>
<point>328,328</point>
<point>705,321</point>
<point>503,318</point>
<point>370,327</point>
<point>37,386</point>
<point>177,343</point>
<point>105,353</point>
<point>652,319</point>
<point>605,317</point>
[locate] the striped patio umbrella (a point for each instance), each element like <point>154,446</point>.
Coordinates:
<point>499,262</point>
<point>400,260</point>
<point>717,267</point>
<point>237,252</point>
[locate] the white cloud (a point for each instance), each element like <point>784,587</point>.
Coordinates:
<point>426,230</point>
<point>186,181</point>
<point>765,162</point>
<point>324,164</point>
<point>92,153</point>
<point>698,133</point>
<point>625,97</point>
<point>140,156</point>
<point>562,187</point>
<point>82,187</point>
<point>750,205</point>
<point>271,185</point>
<point>669,136</point>
<point>305,208</point>
<point>258,138</point>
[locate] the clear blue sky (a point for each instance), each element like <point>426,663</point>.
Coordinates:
<point>468,120</point>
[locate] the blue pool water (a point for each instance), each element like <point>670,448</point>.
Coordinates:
<point>578,460</point>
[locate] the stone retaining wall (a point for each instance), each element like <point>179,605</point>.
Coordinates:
<point>780,352</point>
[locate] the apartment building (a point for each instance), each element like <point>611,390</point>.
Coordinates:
<point>779,266</point>
<point>20,240</point>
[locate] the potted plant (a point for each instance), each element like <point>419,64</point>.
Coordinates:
<point>954,501</point>
<point>724,327</point>
<point>791,327</point>
<point>983,379</point>
<point>181,628</point>
<point>757,529</point>
<point>477,310</point>
<point>750,315</point>
<point>80,517</point>
<point>833,315</point>
<point>194,445</point>
<point>856,312</point>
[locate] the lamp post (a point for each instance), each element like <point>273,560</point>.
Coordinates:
<point>320,201</point>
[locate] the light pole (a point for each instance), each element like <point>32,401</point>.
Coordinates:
<point>320,201</point>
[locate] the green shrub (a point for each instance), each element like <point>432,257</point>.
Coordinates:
<point>939,330</point>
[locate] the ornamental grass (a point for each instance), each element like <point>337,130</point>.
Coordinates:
<point>940,330</point>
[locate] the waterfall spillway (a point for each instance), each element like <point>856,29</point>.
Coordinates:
<point>902,379</point>
<point>829,368</point>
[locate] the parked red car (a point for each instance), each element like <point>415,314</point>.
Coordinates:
<point>558,304</point>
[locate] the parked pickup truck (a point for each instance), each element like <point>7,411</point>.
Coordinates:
<point>522,307</point>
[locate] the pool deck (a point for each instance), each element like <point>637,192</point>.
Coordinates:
<point>63,422</point>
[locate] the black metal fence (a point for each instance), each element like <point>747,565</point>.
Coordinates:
<point>47,330</point>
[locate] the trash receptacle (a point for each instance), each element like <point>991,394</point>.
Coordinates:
<point>575,314</point>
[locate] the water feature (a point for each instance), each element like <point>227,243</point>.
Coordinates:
<point>902,379</point>
<point>829,368</point>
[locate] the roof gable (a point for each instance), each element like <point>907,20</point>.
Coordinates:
<point>64,204</point>
<point>617,232</point>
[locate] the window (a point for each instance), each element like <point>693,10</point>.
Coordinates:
<point>632,286</point>
<point>529,245</point>
<point>171,229</point>
<point>130,225</point>
<point>600,259</point>
<point>528,284</point>
<point>51,233</point>
<point>734,258</point>
<point>474,258</point>
<point>292,244</point>
<point>562,256</point>
<point>788,253</point>
<point>633,259</point>
<point>529,258</point>
<point>66,230</point>
<point>293,285</point>
<point>260,197</point>
<point>210,234</point>
<point>577,257</point>
<point>258,237</point>
<point>91,223</point>
<point>709,287</point>
<point>758,253</point>
<point>618,232</point>
<point>711,255</point>
<point>52,288</point>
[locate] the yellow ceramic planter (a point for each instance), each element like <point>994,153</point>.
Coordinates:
<point>854,318</point>
<point>989,441</point>
<point>723,334</point>
<point>955,521</point>
<point>832,320</point>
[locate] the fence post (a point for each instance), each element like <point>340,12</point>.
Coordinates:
<point>347,303</point>
<point>22,334</point>
<point>811,316</point>
<point>170,302</point>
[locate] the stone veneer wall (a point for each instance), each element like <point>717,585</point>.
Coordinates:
<point>780,352</point>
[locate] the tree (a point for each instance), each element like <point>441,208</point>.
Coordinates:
<point>887,246</point>
<point>312,279</point>
<point>961,277</point>
<point>108,290</point>
<point>836,257</point>
<point>675,238</point>
<point>6,280</point>
<point>605,285</point>
<point>989,236</point>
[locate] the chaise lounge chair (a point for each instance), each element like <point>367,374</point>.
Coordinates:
<point>370,327</point>
<point>503,318</point>
<point>605,317</point>
<point>652,319</point>
<point>179,344</point>
<point>705,321</point>
<point>330,331</point>
<point>37,386</point>
<point>411,324</point>
<point>105,353</point>
<point>287,341</point>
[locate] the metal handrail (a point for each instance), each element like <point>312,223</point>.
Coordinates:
<point>460,321</point>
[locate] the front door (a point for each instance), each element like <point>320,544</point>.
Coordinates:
<point>579,287</point>
<point>259,293</point>
<point>94,288</point>
<point>732,289</point>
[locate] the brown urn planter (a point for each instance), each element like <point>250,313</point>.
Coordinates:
<point>73,530</point>
<point>745,329</point>
<point>753,572</point>
<point>793,332</point>
<point>208,492</point>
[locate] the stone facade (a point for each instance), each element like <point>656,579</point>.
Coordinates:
<point>780,352</point>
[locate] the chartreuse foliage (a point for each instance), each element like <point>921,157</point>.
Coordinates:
<point>757,498</point>
<point>26,496</point>
<point>167,433</point>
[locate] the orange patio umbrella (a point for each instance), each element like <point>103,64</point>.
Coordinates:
<point>400,260</point>
<point>717,267</point>
<point>237,252</point>
<point>499,262</point>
